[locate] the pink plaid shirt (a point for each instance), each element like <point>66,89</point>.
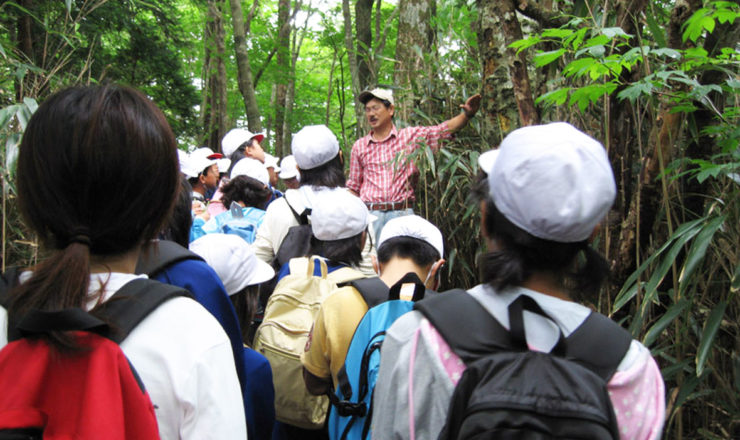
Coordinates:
<point>374,172</point>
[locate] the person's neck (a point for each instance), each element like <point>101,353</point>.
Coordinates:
<point>123,263</point>
<point>546,284</point>
<point>200,189</point>
<point>380,133</point>
<point>397,268</point>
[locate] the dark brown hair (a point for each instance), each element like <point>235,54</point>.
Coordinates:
<point>97,175</point>
<point>247,190</point>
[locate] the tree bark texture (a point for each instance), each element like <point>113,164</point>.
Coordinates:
<point>644,205</point>
<point>500,108</point>
<point>215,122</point>
<point>414,74</point>
<point>283,62</point>
<point>244,70</point>
<point>363,23</point>
<point>353,67</point>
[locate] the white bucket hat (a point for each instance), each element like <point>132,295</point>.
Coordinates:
<point>233,260</point>
<point>553,181</point>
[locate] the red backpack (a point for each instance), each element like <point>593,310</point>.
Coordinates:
<point>89,394</point>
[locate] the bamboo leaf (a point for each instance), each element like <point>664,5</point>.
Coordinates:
<point>430,157</point>
<point>707,338</point>
<point>628,289</point>
<point>668,317</point>
<point>699,248</point>
<point>665,264</point>
<point>6,114</point>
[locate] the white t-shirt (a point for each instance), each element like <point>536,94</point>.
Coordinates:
<point>185,360</point>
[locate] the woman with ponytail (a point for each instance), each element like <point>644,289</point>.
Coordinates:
<point>545,191</point>
<point>97,178</point>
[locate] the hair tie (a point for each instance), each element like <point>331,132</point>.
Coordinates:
<point>80,235</point>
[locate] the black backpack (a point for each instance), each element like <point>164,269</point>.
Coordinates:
<point>161,255</point>
<point>297,242</point>
<point>510,392</point>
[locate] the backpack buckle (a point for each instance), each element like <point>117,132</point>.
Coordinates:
<point>348,409</point>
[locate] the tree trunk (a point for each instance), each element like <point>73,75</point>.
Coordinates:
<point>244,71</point>
<point>290,96</point>
<point>215,122</point>
<point>413,74</point>
<point>283,65</point>
<point>644,205</point>
<point>353,67</point>
<point>24,36</point>
<point>363,22</point>
<point>499,107</point>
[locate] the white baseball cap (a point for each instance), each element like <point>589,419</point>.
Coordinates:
<point>337,214</point>
<point>289,168</point>
<point>251,168</point>
<point>271,162</point>
<point>487,159</point>
<point>552,181</point>
<point>415,227</point>
<point>233,260</point>
<point>382,94</point>
<point>223,165</point>
<point>235,138</point>
<point>185,166</point>
<point>198,161</point>
<point>313,146</point>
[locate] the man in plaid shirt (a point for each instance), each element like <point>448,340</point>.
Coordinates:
<point>378,174</point>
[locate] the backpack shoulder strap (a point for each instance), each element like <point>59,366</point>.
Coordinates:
<point>373,290</point>
<point>599,344</point>
<point>302,218</point>
<point>8,280</point>
<point>134,302</point>
<point>161,255</point>
<point>468,328</point>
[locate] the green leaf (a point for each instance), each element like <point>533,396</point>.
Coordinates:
<point>31,104</point>
<point>599,40</point>
<point>667,52</point>
<point>629,289</point>
<point>656,29</point>
<point>612,32</point>
<point>68,4</point>
<point>707,337</point>
<point>526,43</point>
<point>694,26</point>
<point>6,115</point>
<point>556,33</point>
<point>430,157</point>
<point>735,285</point>
<point>699,248</point>
<point>668,317</point>
<point>634,91</point>
<point>578,67</point>
<point>545,58</point>
<point>557,97</point>
<point>665,264</point>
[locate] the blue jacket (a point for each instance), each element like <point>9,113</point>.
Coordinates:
<point>252,368</point>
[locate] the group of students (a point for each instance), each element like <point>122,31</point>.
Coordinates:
<point>100,181</point>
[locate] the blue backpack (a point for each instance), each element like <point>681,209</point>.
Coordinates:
<point>352,399</point>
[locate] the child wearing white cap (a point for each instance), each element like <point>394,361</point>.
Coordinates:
<point>319,159</point>
<point>241,273</point>
<point>289,172</point>
<point>549,188</point>
<point>408,245</point>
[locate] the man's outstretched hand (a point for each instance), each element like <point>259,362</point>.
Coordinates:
<point>471,106</point>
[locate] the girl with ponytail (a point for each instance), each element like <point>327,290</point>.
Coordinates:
<point>545,191</point>
<point>97,178</point>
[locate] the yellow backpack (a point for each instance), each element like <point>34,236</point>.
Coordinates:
<point>282,337</point>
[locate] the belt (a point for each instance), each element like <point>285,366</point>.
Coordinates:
<point>390,206</point>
